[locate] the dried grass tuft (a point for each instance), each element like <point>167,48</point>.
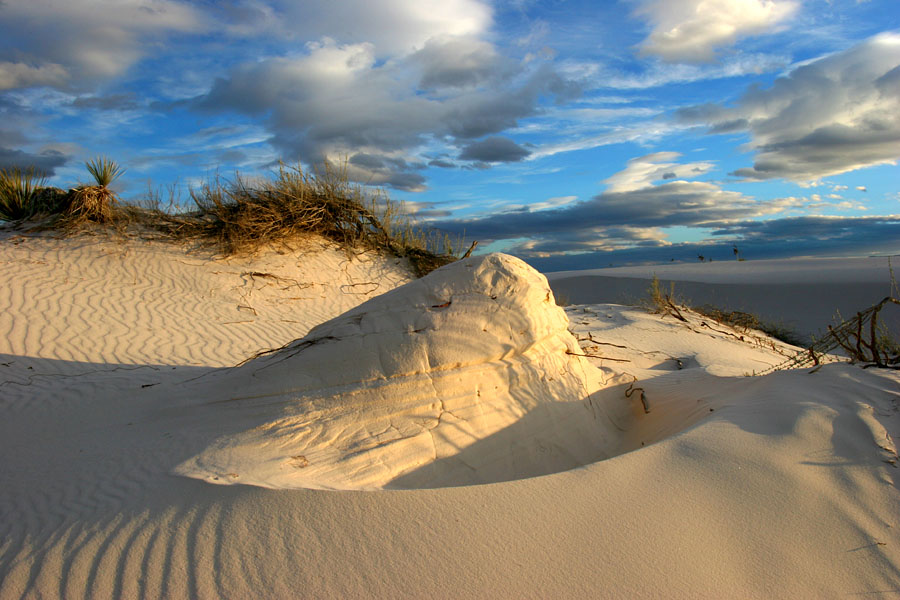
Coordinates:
<point>243,215</point>
<point>20,193</point>
<point>90,204</point>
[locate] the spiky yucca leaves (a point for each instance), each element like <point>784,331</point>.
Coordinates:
<point>103,170</point>
<point>95,203</point>
<point>19,193</point>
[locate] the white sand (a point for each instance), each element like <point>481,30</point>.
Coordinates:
<point>802,294</point>
<point>111,382</point>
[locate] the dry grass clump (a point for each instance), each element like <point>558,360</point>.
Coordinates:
<point>93,203</point>
<point>744,322</point>
<point>20,196</point>
<point>241,216</point>
<point>663,303</point>
<point>24,196</point>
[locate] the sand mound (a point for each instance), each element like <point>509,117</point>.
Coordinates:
<point>465,376</point>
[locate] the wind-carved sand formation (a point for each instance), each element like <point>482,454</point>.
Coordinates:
<point>468,375</point>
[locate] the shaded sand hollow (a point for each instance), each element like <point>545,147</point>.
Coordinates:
<point>527,465</point>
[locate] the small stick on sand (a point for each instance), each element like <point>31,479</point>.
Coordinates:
<point>597,356</point>
<point>631,390</point>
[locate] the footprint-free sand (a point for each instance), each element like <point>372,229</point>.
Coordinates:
<point>312,424</point>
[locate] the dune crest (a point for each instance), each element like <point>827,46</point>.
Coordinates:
<point>468,375</point>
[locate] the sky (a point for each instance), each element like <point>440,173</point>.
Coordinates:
<point>571,133</point>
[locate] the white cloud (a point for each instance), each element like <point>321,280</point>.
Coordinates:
<point>391,26</point>
<point>338,100</point>
<point>829,116</point>
<point>600,240</point>
<point>643,133</point>
<point>643,171</point>
<point>75,42</point>
<point>549,203</point>
<point>691,30</point>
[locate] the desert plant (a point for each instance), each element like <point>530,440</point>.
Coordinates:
<point>243,215</point>
<point>103,170</point>
<point>744,321</point>
<point>657,298</point>
<point>19,193</point>
<point>94,203</point>
<point>662,303</point>
<point>881,348</point>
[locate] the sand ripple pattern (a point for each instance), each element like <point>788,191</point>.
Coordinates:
<point>92,300</point>
<point>95,337</point>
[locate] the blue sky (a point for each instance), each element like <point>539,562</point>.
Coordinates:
<point>574,134</point>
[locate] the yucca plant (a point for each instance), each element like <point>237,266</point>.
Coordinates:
<point>104,170</point>
<point>19,193</point>
<point>95,202</point>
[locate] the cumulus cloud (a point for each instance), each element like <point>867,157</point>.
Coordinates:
<point>692,30</point>
<point>76,42</point>
<point>494,149</point>
<point>608,239</point>
<point>379,170</point>
<point>459,62</point>
<point>441,163</point>
<point>677,203</point>
<point>829,116</point>
<point>338,100</point>
<point>45,160</point>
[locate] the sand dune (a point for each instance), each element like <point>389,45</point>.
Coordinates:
<point>115,381</point>
<point>98,300</point>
